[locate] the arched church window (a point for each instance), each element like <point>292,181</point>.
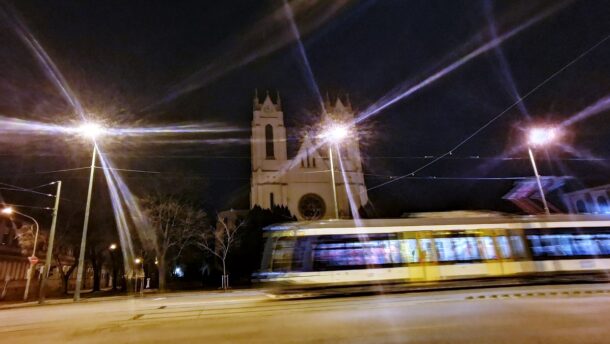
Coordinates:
<point>271,200</point>
<point>581,207</point>
<point>269,148</point>
<point>602,203</point>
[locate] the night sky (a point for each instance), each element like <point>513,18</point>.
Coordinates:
<point>167,63</point>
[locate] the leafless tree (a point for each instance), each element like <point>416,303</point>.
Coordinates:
<point>175,224</point>
<point>219,241</point>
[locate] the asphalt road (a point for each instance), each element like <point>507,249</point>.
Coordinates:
<point>541,314</point>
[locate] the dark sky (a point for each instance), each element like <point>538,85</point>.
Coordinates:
<point>165,62</point>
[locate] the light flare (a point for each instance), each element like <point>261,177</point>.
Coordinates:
<point>403,92</point>
<point>261,39</point>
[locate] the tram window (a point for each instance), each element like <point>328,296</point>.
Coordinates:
<point>516,243</point>
<point>466,249</point>
<point>504,246</point>
<point>603,241</point>
<point>351,252</point>
<point>568,245</point>
<point>301,256</point>
<point>408,247</point>
<point>585,246</point>
<point>487,246</point>
<point>282,254</point>
<point>426,250</point>
<point>444,248</point>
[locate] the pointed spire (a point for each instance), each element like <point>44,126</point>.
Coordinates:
<point>278,99</point>
<point>339,104</point>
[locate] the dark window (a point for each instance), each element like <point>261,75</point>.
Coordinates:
<point>269,147</point>
<point>580,206</point>
<point>271,200</point>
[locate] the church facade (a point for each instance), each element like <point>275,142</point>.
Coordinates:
<point>303,183</point>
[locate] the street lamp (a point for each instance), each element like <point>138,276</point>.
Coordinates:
<point>334,134</point>
<point>140,261</point>
<point>112,248</point>
<point>537,137</point>
<point>92,131</point>
<point>9,211</point>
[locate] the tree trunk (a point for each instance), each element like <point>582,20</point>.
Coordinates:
<point>95,266</point>
<point>162,274</point>
<point>114,276</point>
<point>225,279</point>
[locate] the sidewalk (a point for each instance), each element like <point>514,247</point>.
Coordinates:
<point>148,294</point>
<point>86,296</point>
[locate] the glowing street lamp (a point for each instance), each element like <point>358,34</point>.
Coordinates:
<point>90,130</point>
<point>334,134</point>
<point>112,247</point>
<point>9,211</point>
<point>538,137</point>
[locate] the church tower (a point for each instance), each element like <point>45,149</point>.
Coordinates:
<point>268,151</point>
<point>346,158</point>
<point>303,183</point>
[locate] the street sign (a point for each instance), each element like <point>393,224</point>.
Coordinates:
<point>33,260</point>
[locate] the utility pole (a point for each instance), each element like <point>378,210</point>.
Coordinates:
<point>49,257</point>
<point>83,242</point>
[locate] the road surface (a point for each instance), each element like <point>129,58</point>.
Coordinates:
<point>540,314</point>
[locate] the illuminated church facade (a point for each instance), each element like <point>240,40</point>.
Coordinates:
<point>303,183</point>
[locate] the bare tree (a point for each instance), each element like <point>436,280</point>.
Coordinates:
<point>219,241</point>
<point>174,224</point>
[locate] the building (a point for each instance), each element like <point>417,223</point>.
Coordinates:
<point>304,183</point>
<point>595,200</point>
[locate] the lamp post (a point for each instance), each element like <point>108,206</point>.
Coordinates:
<point>90,130</point>
<point>140,261</point>
<point>111,248</point>
<point>540,137</point>
<point>334,134</point>
<point>32,258</point>
<point>47,262</point>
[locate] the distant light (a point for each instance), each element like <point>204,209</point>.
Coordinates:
<point>91,130</point>
<point>542,136</point>
<point>335,133</point>
<point>137,261</point>
<point>112,247</point>
<point>178,272</point>
<point>7,211</point>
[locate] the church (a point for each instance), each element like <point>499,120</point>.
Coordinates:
<point>304,183</point>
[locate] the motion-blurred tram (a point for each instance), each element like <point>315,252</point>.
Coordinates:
<point>344,255</point>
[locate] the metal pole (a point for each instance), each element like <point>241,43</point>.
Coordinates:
<point>83,242</point>
<point>49,257</point>
<point>29,273</point>
<point>544,204</point>
<point>332,175</point>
